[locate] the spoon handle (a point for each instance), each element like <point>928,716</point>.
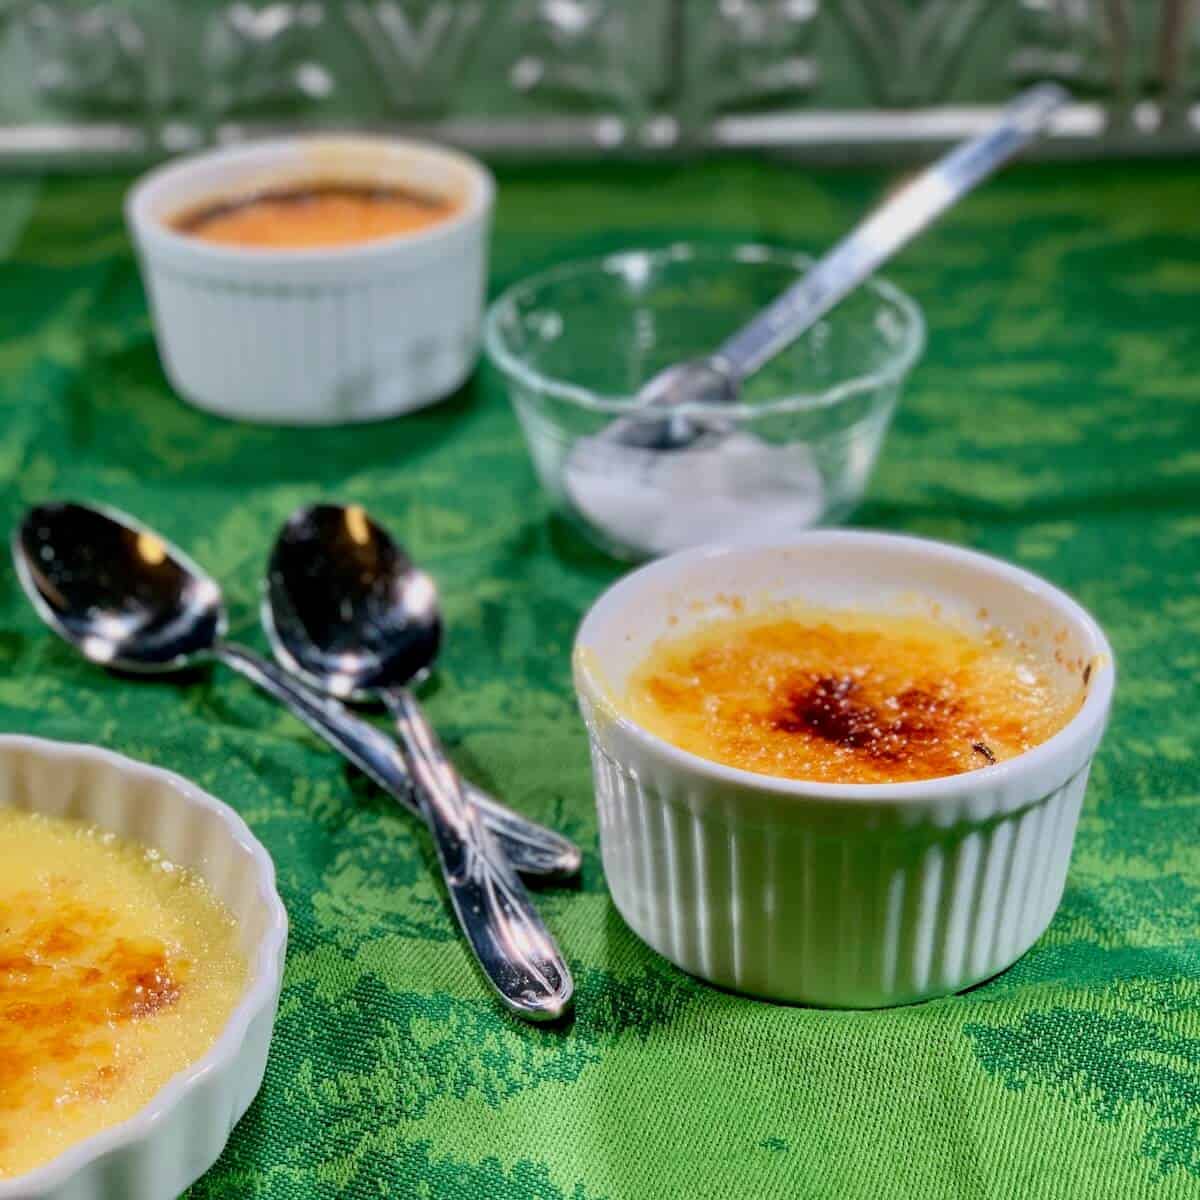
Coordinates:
<point>515,949</point>
<point>892,225</point>
<point>531,848</point>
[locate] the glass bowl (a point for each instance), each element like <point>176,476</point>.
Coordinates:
<point>576,343</point>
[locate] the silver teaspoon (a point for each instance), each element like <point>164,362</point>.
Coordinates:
<point>346,608</point>
<point>716,380</point>
<point>126,598</point>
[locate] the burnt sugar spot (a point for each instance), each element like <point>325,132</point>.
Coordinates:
<point>829,708</point>
<point>894,729</point>
<point>145,978</point>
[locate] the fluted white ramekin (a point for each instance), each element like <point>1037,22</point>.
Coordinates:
<point>171,1142</point>
<point>846,895</point>
<point>325,335</point>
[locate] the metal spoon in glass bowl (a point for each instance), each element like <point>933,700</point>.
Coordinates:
<point>126,598</point>
<point>715,381</point>
<point>348,611</point>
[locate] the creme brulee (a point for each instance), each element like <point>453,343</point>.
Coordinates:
<point>847,697</point>
<point>315,215</point>
<point>117,971</point>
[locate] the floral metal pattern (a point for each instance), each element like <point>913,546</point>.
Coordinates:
<point>419,50</point>
<point>1084,43</point>
<point>105,57</point>
<point>745,52</point>
<point>913,51</point>
<point>536,76</point>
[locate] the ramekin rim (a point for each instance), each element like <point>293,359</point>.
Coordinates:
<point>266,963</point>
<point>515,367</point>
<point>154,232</point>
<point>1091,715</point>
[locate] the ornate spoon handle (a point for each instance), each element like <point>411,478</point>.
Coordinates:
<point>900,218</point>
<point>531,848</point>
<point>512,944</point>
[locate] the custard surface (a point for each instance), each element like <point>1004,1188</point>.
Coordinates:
<point>847,697</point>
<point>315,215</point>
<point>117,970</point>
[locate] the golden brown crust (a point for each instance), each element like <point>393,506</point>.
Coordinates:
<point>314,215</point>
<point>850,698</point>
<point>67,979</point>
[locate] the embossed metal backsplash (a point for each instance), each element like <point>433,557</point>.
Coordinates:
<point>135,79</point>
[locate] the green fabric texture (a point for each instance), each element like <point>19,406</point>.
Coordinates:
<point>1054,420</point>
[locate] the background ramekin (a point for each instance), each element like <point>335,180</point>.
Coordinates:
<point>171,1142</point>
<point>316,336</point>
<point>850,895</point>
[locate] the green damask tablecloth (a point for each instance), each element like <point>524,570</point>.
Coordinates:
<point>1055,421</point>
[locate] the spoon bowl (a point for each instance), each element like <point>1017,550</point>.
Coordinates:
<point>699,382</point>
<point>115,590</point>
<point>346,608</point>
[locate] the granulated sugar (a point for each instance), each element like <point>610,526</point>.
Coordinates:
<point>723,488</point>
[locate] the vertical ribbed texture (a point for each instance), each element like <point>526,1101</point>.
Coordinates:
<point>863,918</point>
<point>347,352</point>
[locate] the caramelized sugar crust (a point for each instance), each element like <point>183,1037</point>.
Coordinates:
<point>67,977</point>
<point>314,215</point>
<point>847,697</point>
<point>116,970</point>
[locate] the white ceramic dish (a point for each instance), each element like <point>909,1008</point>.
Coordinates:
<point>846,895</point>
<point>315,336</point>
<point>171,1142</point>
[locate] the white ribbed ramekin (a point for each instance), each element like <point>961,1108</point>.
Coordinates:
<point>315,336</point>
<point>171,1142</point>
<point>846,895</point>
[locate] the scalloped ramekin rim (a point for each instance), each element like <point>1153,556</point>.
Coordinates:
<point>1062,746</point>
<point>266,965</point>
<point>154,230</point>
